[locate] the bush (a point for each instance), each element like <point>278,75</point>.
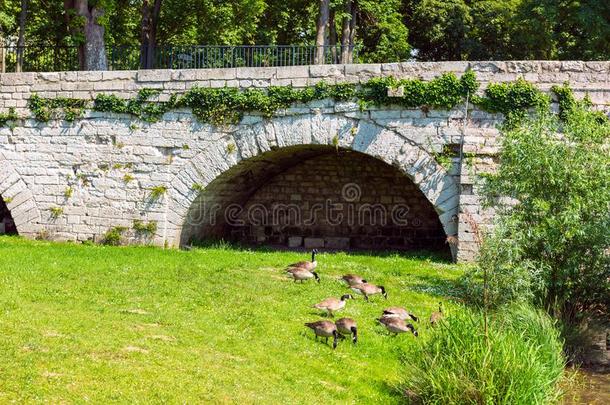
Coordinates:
<point>557,174</point>
<point>521,361</point>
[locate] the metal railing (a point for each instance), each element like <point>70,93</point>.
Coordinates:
<point>51,59</point>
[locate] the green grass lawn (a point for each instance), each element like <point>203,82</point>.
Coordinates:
<point>139,324</point>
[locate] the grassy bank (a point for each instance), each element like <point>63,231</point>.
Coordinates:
<point>89,323</point>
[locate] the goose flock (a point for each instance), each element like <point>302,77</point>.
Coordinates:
<point>395,319</point>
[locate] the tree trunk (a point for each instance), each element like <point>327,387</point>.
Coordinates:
<point>91,54</point>
<point>345,32</point>
<point>332,37</point>
<point>21,41</point>
<point>321,31</point>
<point>148,36</point>
<point>352,33</point>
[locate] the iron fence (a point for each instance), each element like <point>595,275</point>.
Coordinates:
<point>51,58</point>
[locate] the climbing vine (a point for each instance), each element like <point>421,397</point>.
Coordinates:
<point>227,105</point>
<point>45,109</point>
<point>5,118</point>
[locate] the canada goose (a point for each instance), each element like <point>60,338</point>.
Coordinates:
<point>437,316</point>
<point>347,326</point>
<point>305,265</point>
<point>367,289</point>
<point>353,279</point>
<point>397,325</point>
<point>399,312</point>
<point>324,329</point>
<point>303,275</point>
<point>333,304</point>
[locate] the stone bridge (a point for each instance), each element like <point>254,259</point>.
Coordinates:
<point>323,174</point>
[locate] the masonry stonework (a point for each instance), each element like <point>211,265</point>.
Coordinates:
<point>76,180</point>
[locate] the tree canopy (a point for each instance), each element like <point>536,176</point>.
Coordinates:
<point>384,30</point>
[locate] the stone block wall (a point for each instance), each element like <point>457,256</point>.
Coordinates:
<point>76,180</point>
<point>341,200</point>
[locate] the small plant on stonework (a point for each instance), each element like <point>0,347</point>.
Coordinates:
<point>56,212</point>
<point>354,131</point>
<point>127,178</point>
<point>68,192</point>
<point>114,235</point>
<point>133,126</point>
<point>335,142</point>
<point>43,235</point>
<point>119,145</point>
<point>144,228</point>
<point>185,147</point>
<point>157,192</point>
<point>198,187</point>
<point>117,166</point>
<point>8,200</point>
<point>83,179</point>
<point>8,118</point>
<point>231,148</point>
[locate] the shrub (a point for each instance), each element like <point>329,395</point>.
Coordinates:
<point>557,174</point>
<point>114,236</point>
<point>519,362</point>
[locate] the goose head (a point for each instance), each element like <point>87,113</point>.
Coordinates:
<point>347,297</point>
<point>383,292</point>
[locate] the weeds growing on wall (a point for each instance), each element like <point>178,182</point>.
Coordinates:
<point>227,105</point>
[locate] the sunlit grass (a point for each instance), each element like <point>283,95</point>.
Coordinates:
<point>90,323</point>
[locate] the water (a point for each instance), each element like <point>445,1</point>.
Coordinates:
<point>591,387</point>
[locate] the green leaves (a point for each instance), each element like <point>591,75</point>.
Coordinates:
<point>45,109</point>
<point>559,175</point>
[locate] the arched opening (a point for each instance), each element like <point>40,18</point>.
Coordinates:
<point>7,225</point>
<point>316,196</point>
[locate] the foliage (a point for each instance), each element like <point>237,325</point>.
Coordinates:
<point>513,99</point>
<point>509,29</point>
<point>140,106</point>
<point>11,115</point>
<point>558,219</point>
<point>56,212</point>
<point>156,314</point>
<point>144,228</point>
<point>519,362</point>
<point>68,192</point>
<point>221,106</point>
<point>114,236</point>
<point>45,109</point>
<point>157,192</point>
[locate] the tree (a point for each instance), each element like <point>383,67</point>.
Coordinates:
<point>92,49</point>
<point>148,37</point>
<point>321,31</point>
<point>21,41</point>
<point>558,174</point>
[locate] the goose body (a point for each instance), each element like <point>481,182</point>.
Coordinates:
<point>353,279</point>
<point>347,326</point>
<point>397,325</point>
<point>333,304</point>
<point>436,317</point>
<point>305,265</point>
<point>399,312</point>
<point>303,275</point>
<point>367,289</point>
<point>324,329</point>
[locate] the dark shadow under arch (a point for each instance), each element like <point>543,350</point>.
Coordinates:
<point>273,199</point>
<point>7,225</point>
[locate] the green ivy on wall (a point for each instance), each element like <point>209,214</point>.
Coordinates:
<point>227,105</point>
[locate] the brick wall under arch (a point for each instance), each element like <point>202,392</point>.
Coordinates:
<point>317,196</point>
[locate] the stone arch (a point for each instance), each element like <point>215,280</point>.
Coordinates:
<point>346,132</point>
<point>19,200</point>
